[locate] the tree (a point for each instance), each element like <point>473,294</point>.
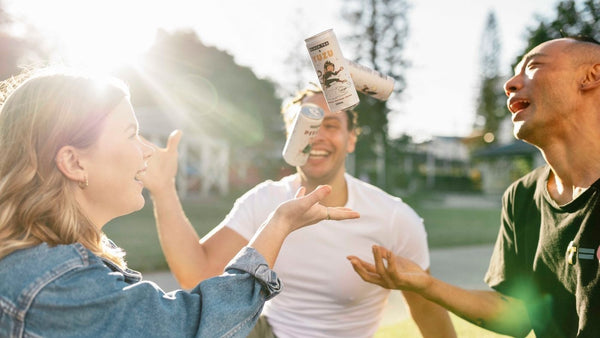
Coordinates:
<point>380,28</point>
<point>491,108</point>
<point>572,18</point>
<point>219,98</point>
<point>16,50</point>
<point>297,61</point>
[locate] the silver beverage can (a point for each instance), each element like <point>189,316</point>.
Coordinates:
<point>371,82</point>
<point>332,71</point>
<point>304,128</point>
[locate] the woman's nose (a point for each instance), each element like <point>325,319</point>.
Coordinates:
<point>147,148</point>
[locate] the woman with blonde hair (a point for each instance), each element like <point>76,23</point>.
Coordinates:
<point>71,160</point>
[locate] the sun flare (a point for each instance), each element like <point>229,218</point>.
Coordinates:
<point>93,34</point>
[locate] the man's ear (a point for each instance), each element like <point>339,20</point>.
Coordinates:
<point>351,145</point>
<point>592,78</point>
<point>67,161</point>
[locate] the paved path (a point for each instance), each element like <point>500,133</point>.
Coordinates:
<point>462,266</point>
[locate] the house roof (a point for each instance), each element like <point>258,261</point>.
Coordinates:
<point>513,149</point>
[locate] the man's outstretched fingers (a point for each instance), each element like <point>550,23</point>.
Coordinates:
<point>381,268</point>
<point>364,271</point>
<point>340,213</point>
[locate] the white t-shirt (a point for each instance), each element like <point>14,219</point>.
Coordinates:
<point>322,295</point>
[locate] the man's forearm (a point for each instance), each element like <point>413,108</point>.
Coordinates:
<point>178,238</point>
<point>432,319</point>
<point>488,309</point>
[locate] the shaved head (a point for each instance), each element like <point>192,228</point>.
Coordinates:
<point>584,51</point>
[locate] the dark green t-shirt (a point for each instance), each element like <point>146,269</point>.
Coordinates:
<point>547,255</point>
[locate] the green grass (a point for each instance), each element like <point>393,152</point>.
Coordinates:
<point>446,227</point>
<point>136,233</point>
<point>464,329</point>
<point>449,227</point>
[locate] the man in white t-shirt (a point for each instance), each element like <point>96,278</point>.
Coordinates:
<point>322,295</point>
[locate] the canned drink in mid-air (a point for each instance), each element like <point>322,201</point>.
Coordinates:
<point>332,71</point>
<point>303,129</point>
<point>371,82</point>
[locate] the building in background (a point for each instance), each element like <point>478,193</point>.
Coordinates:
<point>203,160</point>
<point>506,161</point>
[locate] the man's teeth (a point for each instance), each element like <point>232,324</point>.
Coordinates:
<point>519,105</point>
<point>318,153</point>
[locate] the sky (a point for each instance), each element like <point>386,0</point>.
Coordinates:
<point>442,46</point>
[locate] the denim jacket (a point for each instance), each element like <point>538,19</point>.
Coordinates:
<point>67,291</point>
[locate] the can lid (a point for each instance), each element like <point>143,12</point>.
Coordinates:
<point>312,111</point>
<point>319,36</point>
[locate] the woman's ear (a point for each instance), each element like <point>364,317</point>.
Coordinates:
<point>67,161</point>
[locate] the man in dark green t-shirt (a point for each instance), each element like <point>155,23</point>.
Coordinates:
<point>547,255</point>
<point>545,267</point>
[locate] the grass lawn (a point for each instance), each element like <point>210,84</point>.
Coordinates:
<point>463,328</point>
<point>449,227</point>
<point>446,226</point>
<point>136,233</point>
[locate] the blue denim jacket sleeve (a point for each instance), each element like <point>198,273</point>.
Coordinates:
<point>93,301</point>
<point>227,296</point>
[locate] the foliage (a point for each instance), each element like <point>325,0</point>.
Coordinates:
<point>17,51</point>
<point>298,65</point>
<point>11,49</point>
<point>572,18</point>
<point>490,103</point>
<point>373,141</point>
<point>226,99</point>
<point>219,98</point>
<point>380,28</point>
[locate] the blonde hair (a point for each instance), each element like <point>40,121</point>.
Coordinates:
<point>40,113</point>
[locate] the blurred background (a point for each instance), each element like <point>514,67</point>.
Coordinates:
<point>220,71</point>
